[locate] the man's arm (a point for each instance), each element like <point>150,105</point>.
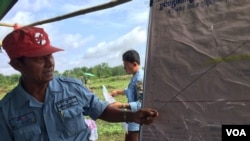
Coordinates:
<point>133,106</point>
<point>117,92</point>
<point>143,116</point>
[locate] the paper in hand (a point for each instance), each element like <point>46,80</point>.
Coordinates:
<point>107,96</point>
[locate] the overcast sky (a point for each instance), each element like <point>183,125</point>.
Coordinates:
<point>88,40</point>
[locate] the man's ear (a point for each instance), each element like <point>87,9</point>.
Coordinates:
<point>135,64</point>
<point>16,64</point>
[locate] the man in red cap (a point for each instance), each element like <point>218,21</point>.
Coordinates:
<point>43,107</point>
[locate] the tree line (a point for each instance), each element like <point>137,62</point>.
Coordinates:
<point>102,70</point>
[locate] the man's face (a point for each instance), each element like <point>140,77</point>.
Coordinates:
<point>129,67</point>
<point>38,69</point>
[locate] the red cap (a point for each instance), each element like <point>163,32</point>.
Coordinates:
<point>29,42</point>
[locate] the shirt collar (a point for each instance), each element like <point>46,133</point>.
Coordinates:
<point>54,85</point>
<point>21,95</point>
<point>24,97</point>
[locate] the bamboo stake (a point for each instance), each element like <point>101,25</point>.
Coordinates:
<point>113,3</point>
<point>5,24</point>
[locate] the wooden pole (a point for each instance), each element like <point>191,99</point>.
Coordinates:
<point>81,12</point>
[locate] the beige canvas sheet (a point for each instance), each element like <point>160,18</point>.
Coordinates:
<point>197,68</point>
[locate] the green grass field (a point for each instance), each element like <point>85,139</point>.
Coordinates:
<point>106,131</point>
<point>110,131</point>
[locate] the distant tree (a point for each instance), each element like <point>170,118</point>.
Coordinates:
<point>11,79</point>
<point>14,78</point>
<point>118,70</point>
<point>85,69</point>
<point>3,79</point>
<point>102,70</point>
<point>57,73</point>
<point>67,73</point>
<point>77,72</point>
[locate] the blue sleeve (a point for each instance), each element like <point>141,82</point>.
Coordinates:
<point>4,130</point>
<point>126,91</point>
<point>135,106</point>
<point>94,107</point>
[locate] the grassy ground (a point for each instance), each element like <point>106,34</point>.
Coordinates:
<point>106,131</point>
<point>5,89</point>
<point>110,131</point>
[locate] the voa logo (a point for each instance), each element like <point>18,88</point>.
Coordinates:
<point>236,132</point>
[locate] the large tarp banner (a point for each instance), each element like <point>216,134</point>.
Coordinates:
<point>197,69</point>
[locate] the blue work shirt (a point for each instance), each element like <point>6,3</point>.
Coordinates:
<point>59,118</point>
<point>134,96</point>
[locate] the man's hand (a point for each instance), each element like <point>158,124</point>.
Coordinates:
<point>113,93</point>
<point>116,104</point>
<point>145,116</point>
